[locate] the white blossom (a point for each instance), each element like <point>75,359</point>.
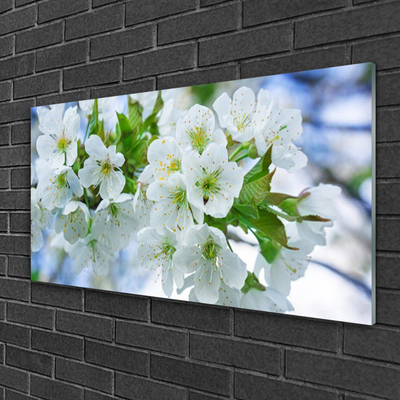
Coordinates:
<point>56,187</point>
<point>169,117</point>
<point>105,107</point>
<point>196,130</point>
<point>156,252</point>
<point>319,201</point>
<point>171,207</point>
<point>206,253</point>
<point>59,142</point>
<point>115,219</point>
<point>92,252</point>
<point>72,221</point>
<point>165,157</point>
<point>103,168</point>
<point>265,300</point>
<point>212,181</point>
<point>228,296</point>
<point>142,206</point>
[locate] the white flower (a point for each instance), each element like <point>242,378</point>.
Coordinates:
<point>196,130</point>
<point>37,241</point>
<point>227,296</point>
<point>72,221</point>
<point>56,187</point>
<point>206,253</point>
<point>103,168</point>
<point>156,252</point>
<point>265,300</point>
<point>115,219</point>
<point>282,128</point>
<point>241,115</point>
<point>212,181</point>
<point>142,206</point>
<point>169,117</point>
<point>92,252</point>
<point>105,107</point>
<point>320,202</point>
<point>59,142</point>
<point>171,208</point>
<point>164,157</point>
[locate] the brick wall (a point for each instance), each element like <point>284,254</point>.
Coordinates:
<point>69,343</point>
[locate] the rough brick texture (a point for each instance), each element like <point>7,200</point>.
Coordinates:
<point>66,343</point>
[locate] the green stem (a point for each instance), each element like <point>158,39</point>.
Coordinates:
<point>86,198</point>
<point>229,245</point>
<point>237,151</point>
<point>279,214</point>
<point>241,157</point>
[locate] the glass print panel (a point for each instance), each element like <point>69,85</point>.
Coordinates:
<point>255,193</point>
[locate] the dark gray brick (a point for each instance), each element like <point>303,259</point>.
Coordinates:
<point>133,388</point>
<point>3,223</point>
<point>16,111</point>
<point>387,304</point>
<point>29,360</point>
<point>31,315</point>
<point>388,272</point>
<point>160,61</point>
<point>19,3</point>
<point>145,85</point>
<point>3,265</point>
<point>199,24</point>
<point>17,20</point>
<point>17,66</point>
<point>205,3</point>
<point>341,26</point>
<point>146,10</point>
<point>387,122</point>
<point>245,44</point>
<point>85,375</point>
<point>50,389</point>
<point>198,376</point>
<point>65,97</point>
<point>2,311</point>
<point>201,396</point>
<point>249,387</point>
<point>98,3</point>
<point>287,330</point>
<point>53,9</point>
<point>382,52</point>
<point>372,343</point>
<point>192,316</point>
<point>5,91</point>
<point>58,296</point>
<point>20,222</point>
<point>62,56</point>
<point>19,266</point>
<point>117,305</point>
<point>14,334</point>
<point>89,395</point>
<point>386,161</point>
<point>37,84</point>
<point>6,5</point>
<point>128,41</point>
<point>57,343</point>
<point>14,289</point>
<point>92,74</point>
<point>235,353</point>
<point>6,46</point>
<point>386,198</point>
<point>4,140</point>
<point>387,234</point>
<point>295,62</point>
<point>20,245</point>
<point>13,395</point>
<point>103,20</point>
<point>117,358</point>
<point>20,134</point>
<point>386,93</point>
<point>151,337</point>
<point>86,325</point>
<point>198,77</point>
<point>259,11</point>
<point>14,200</point>
<point>4,178</point>
<point>39,37</point>
<point>13,378</point>
<point>359,376</point>
<point>21,177</point>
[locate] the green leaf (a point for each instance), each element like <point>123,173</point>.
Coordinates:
<point>220,223</point>
<point>255,190</point>
<point>135,116</point>
<point>276,199</point>
<point>124,125</point>
<point>269,249</point>
<point>315,218</point>
<point>159,104</point>
<point>261,168</point>
<point>247,210</point>
<point>93,125</point>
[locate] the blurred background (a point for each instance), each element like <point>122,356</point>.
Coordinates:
<point>337,138</point>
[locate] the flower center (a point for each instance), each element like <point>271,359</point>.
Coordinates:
<point>174,166</point>
<point>167,249</point>
<point>62,144</point>
<point>179,198</point>
<point>199,138</point>
<point>61,181</point>
<point>210,249</point>
<point>107,167</point>
<point>243,123</point>
<point>208,184</point>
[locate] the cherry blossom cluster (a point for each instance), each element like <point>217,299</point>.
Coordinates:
<point>170,177</point>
